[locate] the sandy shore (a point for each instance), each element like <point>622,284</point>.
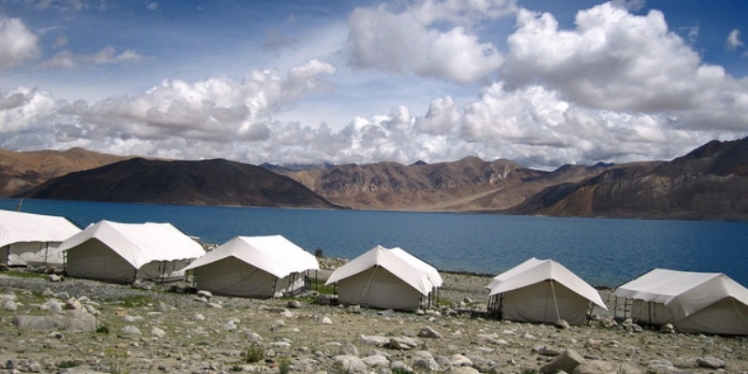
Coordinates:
<point>156,331</point>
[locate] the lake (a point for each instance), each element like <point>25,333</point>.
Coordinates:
<point>604,252</point>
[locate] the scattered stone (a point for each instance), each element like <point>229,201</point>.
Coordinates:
<point>379,341</point>
<point>463,370</point>
<point>428,332</point>
<point>71,320</point>
<point>663,366</point>
<point>10,306</point>
<point>205,294</point>
<point>562,324</point>
<point>326,321</point>
<point>215,305</point>
<point>566,361</point>
<point>54,278</point>
<point>348,350</point>
<point>294,304</point>
<point>609,322</point>
<point>667,328</point>
<point>423,360</point>
<point>129,331</point>
<point>605,367</point>
<point>711,363</point>
<point>545,351</point>
<point>460,360</point>
<point>403,343</point>
<point>349,364</point>
<point>354,309</point>
<point>376,360</point>
<point>157,332</point>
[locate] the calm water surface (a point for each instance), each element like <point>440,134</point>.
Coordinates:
<point>604,252</point>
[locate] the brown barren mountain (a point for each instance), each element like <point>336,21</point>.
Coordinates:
<point>710,182</point>
<point>20,171</point>
<point>707,183</point>
<point>208,182</point>
<point>470,184</point>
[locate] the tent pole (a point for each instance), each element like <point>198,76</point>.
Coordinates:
<point>615,308</point>
<point>275,284</point>
<point>555,302</point>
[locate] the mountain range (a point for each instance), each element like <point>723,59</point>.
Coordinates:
<point>708,183</point>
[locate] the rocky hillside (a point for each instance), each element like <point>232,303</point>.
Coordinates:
<point>20,171</point>
<point>470,184</point>
<point>708,183</point>
<point>209,182</point>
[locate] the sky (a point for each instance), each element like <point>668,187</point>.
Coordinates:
<point>541,82</point>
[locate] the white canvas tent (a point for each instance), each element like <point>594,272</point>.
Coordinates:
<point>710,303</point>
<point>542,291</point>
<point>257,267</point>
<point>385,278</point>
<point>29,239</point>
<point>123,252</point>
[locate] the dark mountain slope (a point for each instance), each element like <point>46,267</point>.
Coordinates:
<point>708,183</point>
<point>209,182</point>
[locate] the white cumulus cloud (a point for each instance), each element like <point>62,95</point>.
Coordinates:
<point>408,42</point>
<point>17,43</point>
<point>618,61</point>
<point>733,40</point>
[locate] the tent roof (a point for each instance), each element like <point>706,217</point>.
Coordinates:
<point>18,227</point>
<point>273,254</point>
<point>686,292</point>
<point>139,243</point>
<point>419,264</point>
<point>535,271</point>
<point>411,270</point>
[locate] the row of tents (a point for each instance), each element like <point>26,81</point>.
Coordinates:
<point>540,291</point>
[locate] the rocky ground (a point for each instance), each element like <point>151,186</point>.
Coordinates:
<point>83,326</point>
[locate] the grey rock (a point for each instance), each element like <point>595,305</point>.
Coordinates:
<point>71,320</point>
<point>354,309</point>
<point>605,367</point>
<point>294,304</point>
<point>376,340</point>
<point>326,321</point>
<point>460,360</point>
<point>253,337</point>
<point>129,331</point>
<point>562,324</point>
<point>10,306</point>
<point>545,351</point>
<point>376,360</point>
<point>403,343</point>
<point>157,332</point>
<point>54,278</point>
<point>609,322</point>
<point>711,363</point>
<point>348,350</point>
<point>204,294</point>
<point>349,363</point>
<point>401,367</point>
<point>566,361</point>
<point>667,328</point>
<point>463,370</point>
<point>428,332</point>
<point>423,360</point>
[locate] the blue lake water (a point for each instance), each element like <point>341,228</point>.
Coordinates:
<point>604,252</point>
